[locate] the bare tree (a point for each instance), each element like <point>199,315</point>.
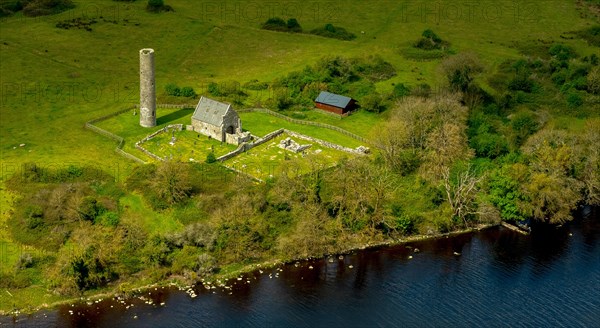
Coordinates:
<point>461,193</point>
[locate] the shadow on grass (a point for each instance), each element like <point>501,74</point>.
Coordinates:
<point>175,115</point>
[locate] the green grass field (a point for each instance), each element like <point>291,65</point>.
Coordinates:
<point>59,78</point>
<point>269,160</point>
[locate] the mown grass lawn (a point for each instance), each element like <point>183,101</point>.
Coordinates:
<point>188,146</point>
<point>361,122</point>
<point>127,125</point>
<point>261,124</point>
<point>269,160</point>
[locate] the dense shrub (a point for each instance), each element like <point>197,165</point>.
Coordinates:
<point>10,7</point>
<point>226,89</point>
<point>593,81</point>
<point>35,8</point>
<point>293,25</point>
<point>421,90</point>
<point>211,158</point>
<point>354,77</point>
<point>374,68</point>
<point>275,24</point>
<point>562,52</point>
<point>591,35</point>
<point>372,102</point>
<point>278,24</point>
<point>400,91</point>
<point>34,215</point>
<point>157,6</point>
<point>405,224</point>
<point>489,145</point>
<point>89,271</point>
<point>559,78</point>
<point>172,89</point>
<point>430,41</point>
<point>188,92</point>
<point>334,32</point>
<point>461,69</point>
<point>574,100</point>
<point>256,85</point>
<point>523,125</point>
<point>108,219</point>
<point>89,208</point>
<point>521,83</point>
<point>505,194</point>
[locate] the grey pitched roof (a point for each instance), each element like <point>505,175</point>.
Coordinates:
<point>332,99</point>
<point>210,111</point>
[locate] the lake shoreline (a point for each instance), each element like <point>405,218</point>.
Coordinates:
<point>177,283</point>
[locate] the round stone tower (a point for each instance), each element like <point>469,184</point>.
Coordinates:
<point>147,89</point>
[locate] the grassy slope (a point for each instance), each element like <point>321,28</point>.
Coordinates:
<point>54,80</point>
<point>193,48</point>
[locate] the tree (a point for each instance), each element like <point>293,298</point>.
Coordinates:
<point>551,188</point>
<point>461,192</point>
<point>593,80</point>
<point>89,208</point>
<point>590,172</point>
<point>461,70</point>
<point>372,102</point>
<point>523,125</point>
<point>552,198</point>
<point>171,183</point>
<point>392,140</point>
<point>445,145</point>
<point>505,190</point>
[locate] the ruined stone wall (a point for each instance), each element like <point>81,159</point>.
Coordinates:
<point>247,146</point>
<point>327,144</point>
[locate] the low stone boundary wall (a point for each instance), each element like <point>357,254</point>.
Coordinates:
<point>172,106</point>
<point>242,148</point>
<point>138,145</point>
<point>247,146</point>
<point>324,143</point>
<point>120,141</point>
<point>303,122</point>
<point>287,118</point>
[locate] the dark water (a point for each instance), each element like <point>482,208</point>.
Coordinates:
<point>500,278</point>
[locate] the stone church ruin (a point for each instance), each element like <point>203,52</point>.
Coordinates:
<point>219,121</point>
